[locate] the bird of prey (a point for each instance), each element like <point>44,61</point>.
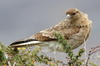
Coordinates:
<point>75,28</point>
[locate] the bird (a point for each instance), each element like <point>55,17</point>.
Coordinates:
<point>75,28</point>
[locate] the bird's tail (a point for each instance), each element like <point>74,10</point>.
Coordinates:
<point>27,42</point>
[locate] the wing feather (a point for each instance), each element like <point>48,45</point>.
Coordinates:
<point>64,28</point>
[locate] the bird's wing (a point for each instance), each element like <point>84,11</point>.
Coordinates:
<point>64,28</point>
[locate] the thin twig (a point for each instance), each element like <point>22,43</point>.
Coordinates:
<point>92,51</point>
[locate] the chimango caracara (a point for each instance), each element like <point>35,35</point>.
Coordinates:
<point>75,29</point>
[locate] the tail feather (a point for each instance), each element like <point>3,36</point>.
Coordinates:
<point>27,42</point>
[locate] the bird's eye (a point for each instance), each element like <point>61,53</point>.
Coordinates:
<point>73,13</point>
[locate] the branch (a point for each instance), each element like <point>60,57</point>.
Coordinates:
<point>92,51</point>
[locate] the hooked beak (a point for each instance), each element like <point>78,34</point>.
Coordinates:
<point>68,16</point>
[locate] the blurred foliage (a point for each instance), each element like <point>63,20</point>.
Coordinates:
<point>25,56</point>
<point>73,59</point>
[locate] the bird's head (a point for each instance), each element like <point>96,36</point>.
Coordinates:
<point>73,13</point>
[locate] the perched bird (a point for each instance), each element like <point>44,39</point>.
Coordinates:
<point>75,28</point>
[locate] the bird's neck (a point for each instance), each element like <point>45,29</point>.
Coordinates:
<point>82,21</point>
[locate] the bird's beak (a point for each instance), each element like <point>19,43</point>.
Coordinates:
<point>68,16</point>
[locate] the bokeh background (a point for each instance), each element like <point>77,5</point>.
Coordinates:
<point>20,19</point>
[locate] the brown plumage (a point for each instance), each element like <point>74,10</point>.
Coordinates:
<point>75,28</point>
